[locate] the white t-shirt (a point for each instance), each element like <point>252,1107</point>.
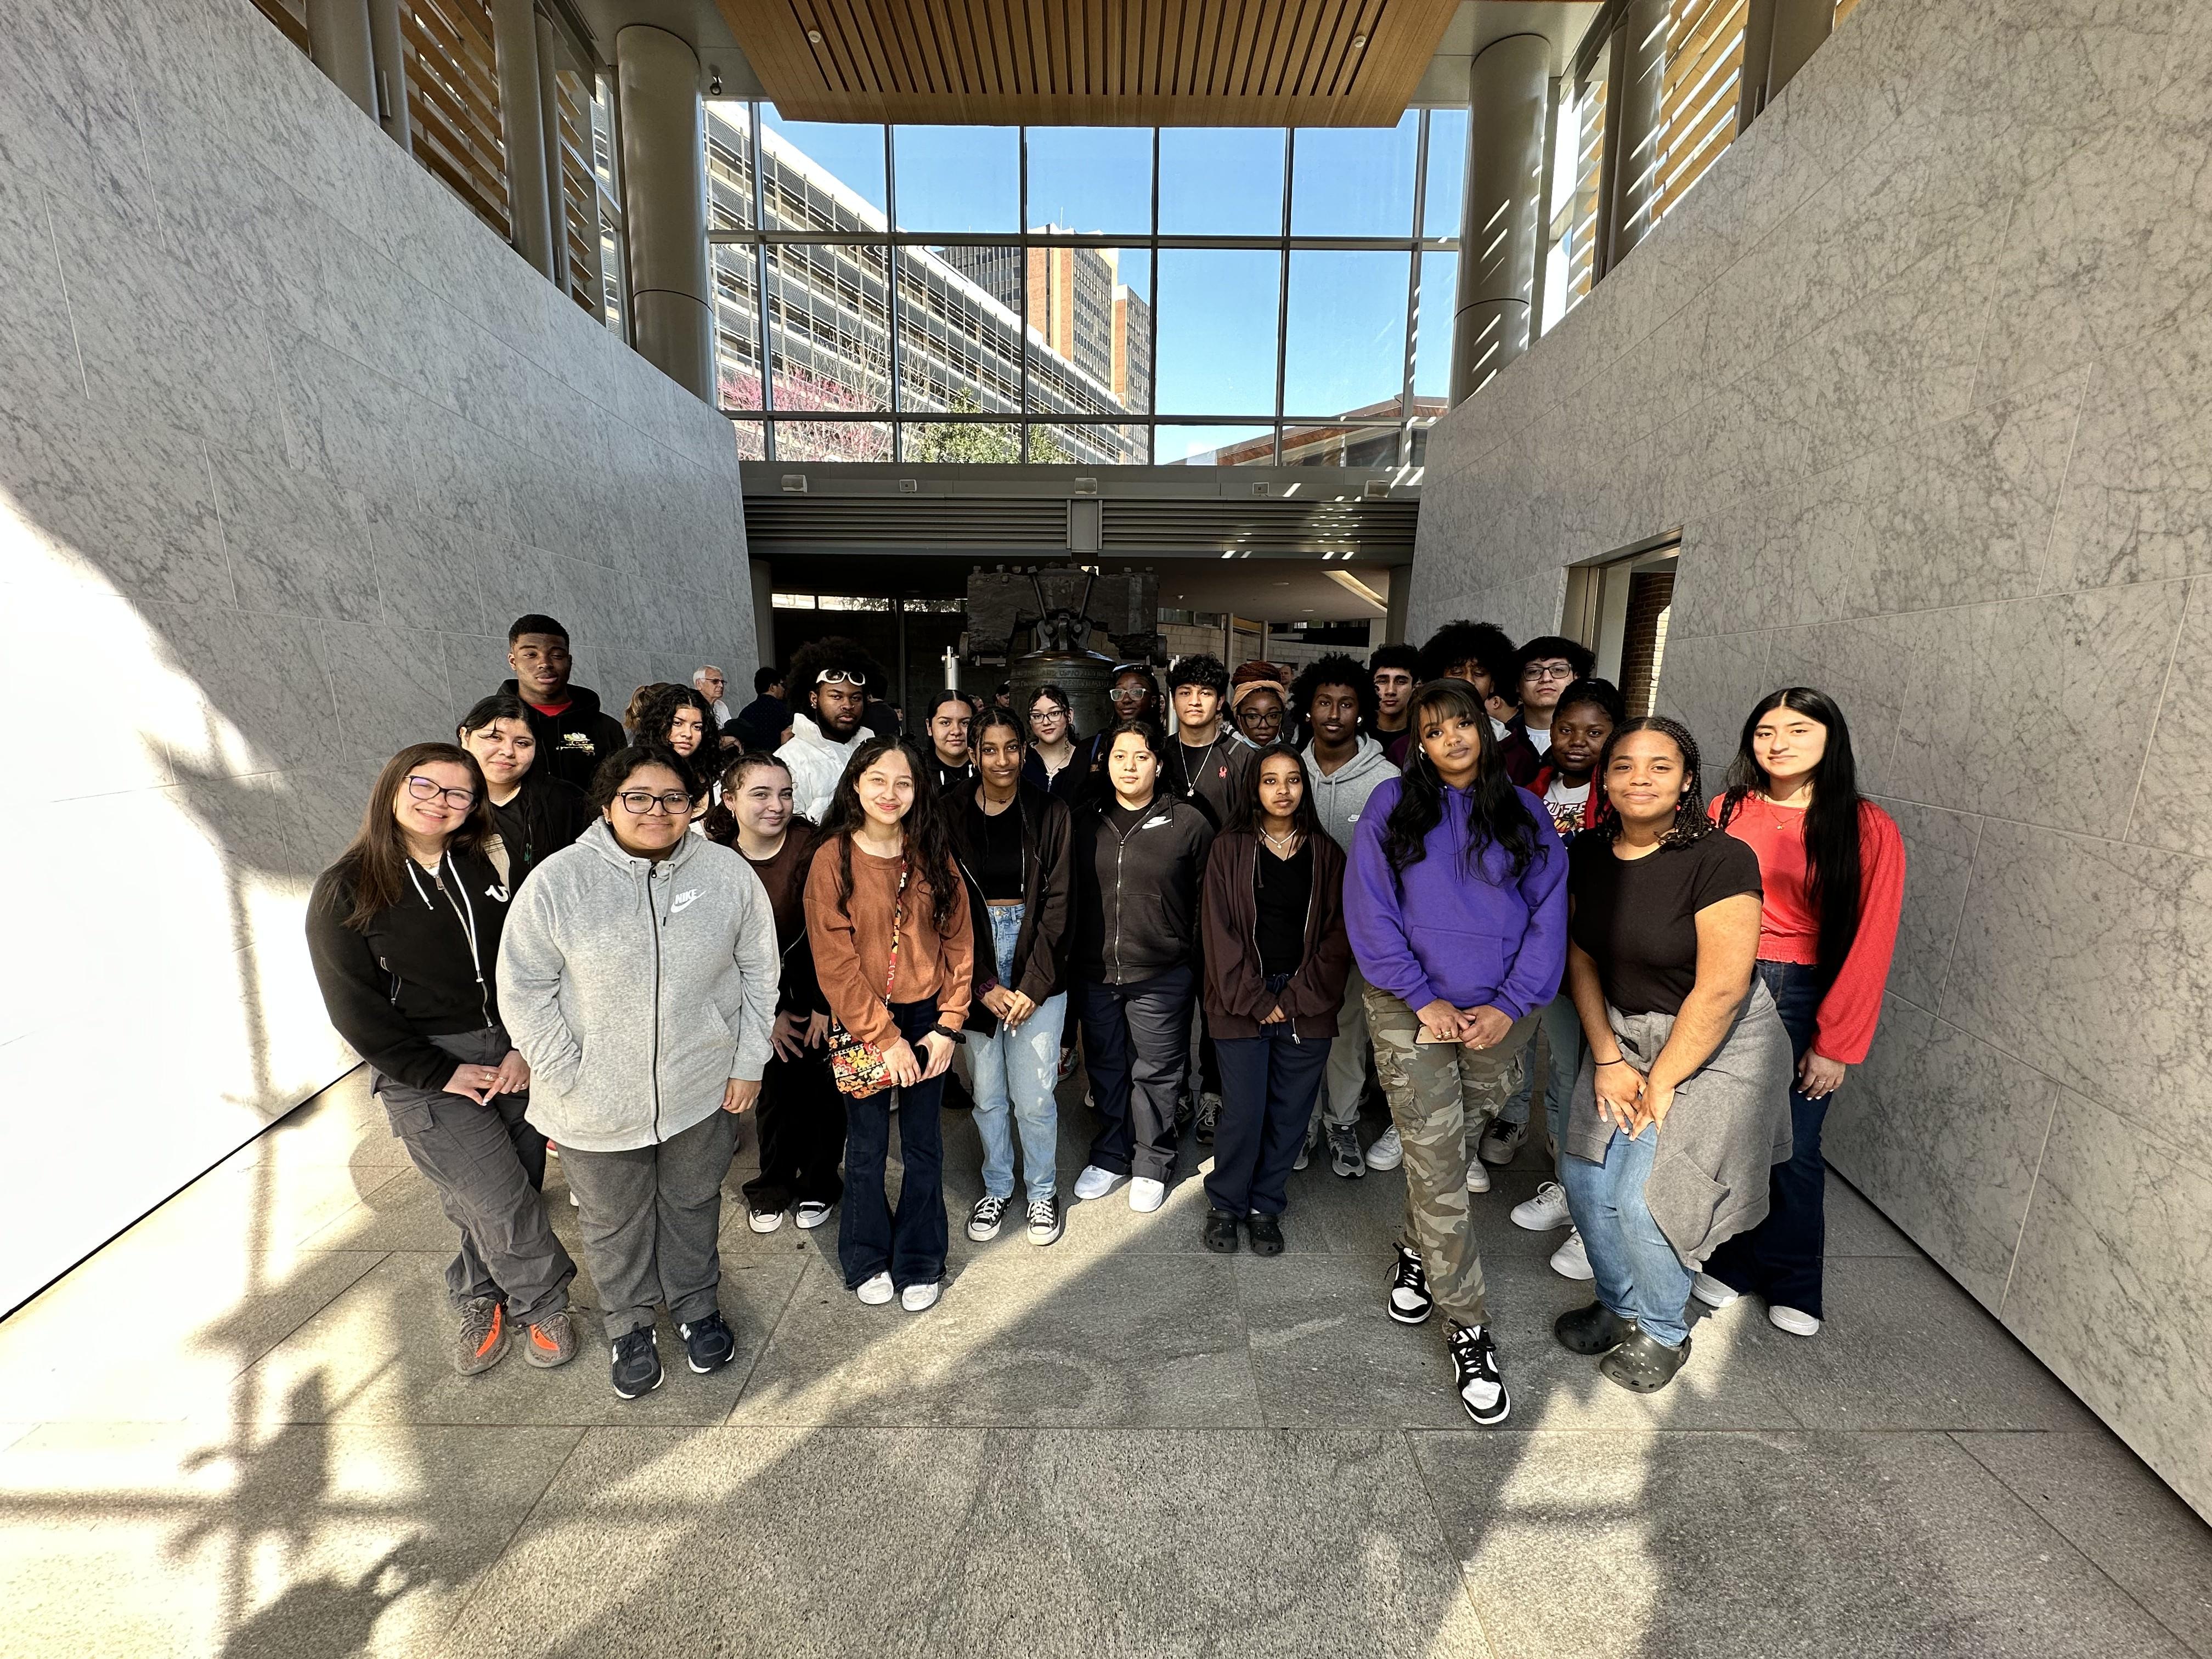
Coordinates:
<point>1542,739</point>
<point>1567,804</point>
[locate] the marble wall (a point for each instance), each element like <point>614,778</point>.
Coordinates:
<point>1921,372</point>
<point>287,438</point>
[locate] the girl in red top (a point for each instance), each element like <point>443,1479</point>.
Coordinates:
<point>1834,867</point>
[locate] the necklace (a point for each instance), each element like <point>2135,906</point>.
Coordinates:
<point>1282,844</point>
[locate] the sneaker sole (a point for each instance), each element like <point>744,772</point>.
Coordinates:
<point>810,1224</point>
<point>1502,1410</point>
<point>771,1226</point>
<point>646,1391</point>
<point>1405,1318</point>
<point>1587,1276</point>
<point>1052,1237</point>
<point>1537,1226</point>
<point>1392,1164</point>
<point>983,1237</point>
<point>531,1352</point>
<point>1497,1162</point>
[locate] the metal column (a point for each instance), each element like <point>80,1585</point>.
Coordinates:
<point>338,42</point>
<point>515,40</point>
<point>1500,240</point>
<point>663,150</point>
<point>391,54</point>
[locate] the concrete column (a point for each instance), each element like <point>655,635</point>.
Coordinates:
<point>1400,601</point>
<point>390,72</point>
<point>663,175</point>
<point>1633,112</point>
<point>1799,26</point>
<point>764,618</point>
<point>1500,240</point>
<point>548,120</point>
<point>338,42</point>
<point>521,124</point>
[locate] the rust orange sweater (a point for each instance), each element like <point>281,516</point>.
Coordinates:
<point>853,945</point>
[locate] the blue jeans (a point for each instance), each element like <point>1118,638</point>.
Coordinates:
<point>1563,1043</point>
<point>1268,1086</point>
<point>871,1239</point>
<point>1780,1258</point>
<point>1014,1074</point>
<point>1638,1275</point>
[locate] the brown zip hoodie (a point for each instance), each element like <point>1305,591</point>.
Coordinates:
<point>1235,994</point>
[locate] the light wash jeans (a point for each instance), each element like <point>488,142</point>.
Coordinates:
<point>1563,1043</point>
<point>1638,1275</point>
<point>1011,1074</point>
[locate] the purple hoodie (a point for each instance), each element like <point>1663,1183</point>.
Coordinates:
<point>1442,930</point>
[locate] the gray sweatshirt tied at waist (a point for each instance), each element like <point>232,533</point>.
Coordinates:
<point>636,990</point>
<point>1729,1125</point>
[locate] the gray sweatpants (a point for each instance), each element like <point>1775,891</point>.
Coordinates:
<point>650,1216</point>
<point>487,1165</point>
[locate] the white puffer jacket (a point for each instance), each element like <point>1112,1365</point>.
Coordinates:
<point>816,765</point>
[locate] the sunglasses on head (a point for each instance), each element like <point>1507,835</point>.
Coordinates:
<point>840,676</point>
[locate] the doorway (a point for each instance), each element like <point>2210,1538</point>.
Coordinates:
<point>1619,607</point>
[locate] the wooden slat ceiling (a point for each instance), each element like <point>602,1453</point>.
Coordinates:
<point>1092,62</point>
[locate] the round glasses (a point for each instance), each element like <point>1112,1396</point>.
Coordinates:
<point>640,802</point>
<point>429,789</point>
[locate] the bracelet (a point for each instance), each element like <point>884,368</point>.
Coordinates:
<point>1618,1059</point>
<point>953,1037</point>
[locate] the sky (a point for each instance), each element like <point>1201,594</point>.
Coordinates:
<point>1218,309</point>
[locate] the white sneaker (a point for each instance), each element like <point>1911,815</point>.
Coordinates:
<point>1094,1183</point>
<point>916,1298</point>
<point>1478,1176</point>
<point>763,1221</point>
<point>1146,1195</point>
<point>1570,1261</point>
<point>1388,1152</point>
<point>1792,1320</point>
<point>1547,1210</point>
<point>1710,1291</point>
<point>875,1291</point>
<point>811,1214</point>
<point>574,1202</point>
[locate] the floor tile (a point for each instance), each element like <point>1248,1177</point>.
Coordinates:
<point>1687,1545</point>
<point>1856,1228</point>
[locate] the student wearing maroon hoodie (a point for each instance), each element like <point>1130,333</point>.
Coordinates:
<point>1833,866</point>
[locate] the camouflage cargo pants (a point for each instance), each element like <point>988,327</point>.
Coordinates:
<point>1440,1095</point>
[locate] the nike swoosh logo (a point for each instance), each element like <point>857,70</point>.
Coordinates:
<point>682,902</point>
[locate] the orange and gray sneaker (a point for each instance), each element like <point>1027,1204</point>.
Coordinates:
<point>551,1341</point>
<point>484,1335</point>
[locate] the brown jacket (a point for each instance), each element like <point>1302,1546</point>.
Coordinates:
<point>1235,994</point>
<point>853,945</point>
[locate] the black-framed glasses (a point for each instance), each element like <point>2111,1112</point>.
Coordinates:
<point>640,802</point>
<point>429,789</point>
<point>1550,670</point>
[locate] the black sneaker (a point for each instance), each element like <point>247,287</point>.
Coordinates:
<point>1209,1113</point>
<point>709,1343</point>
<point>1410,1303</point>
<point>1481,1388</point>
<point>637,1364</point>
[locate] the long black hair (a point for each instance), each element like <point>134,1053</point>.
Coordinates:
<point>1496,811</point>
<point>928,833</point>
<point>1245,812</point>
<point>1690,823</point>
<point>658,717</point>
<point>1831,822</point>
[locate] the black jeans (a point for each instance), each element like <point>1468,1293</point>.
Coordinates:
<point>1780,1259</point>
<point>1269,1084</point>
<point>1136,1046</point>
<point>871,1239</point>
<point>802,1133</point>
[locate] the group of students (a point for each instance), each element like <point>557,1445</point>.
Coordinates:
<point>1432,857</point>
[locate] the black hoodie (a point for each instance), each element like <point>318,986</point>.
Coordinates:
<point>1136,889</point>
<point>411,976</point>
<point>545,816</point>
<point>572,744</point>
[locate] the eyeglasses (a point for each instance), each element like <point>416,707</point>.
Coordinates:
<point>1549,670</point>
<point>839,677</point>
<point>640,802</point>
<point>429,789</point>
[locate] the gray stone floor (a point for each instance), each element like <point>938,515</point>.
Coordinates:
<point>233,1432</point>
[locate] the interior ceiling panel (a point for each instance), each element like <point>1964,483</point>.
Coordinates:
<point>1103,63</point>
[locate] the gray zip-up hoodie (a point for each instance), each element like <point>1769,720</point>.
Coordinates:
<point>637,990</point>
<point>1342,797</point>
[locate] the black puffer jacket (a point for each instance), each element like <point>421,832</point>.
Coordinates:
<point>1137,890</point>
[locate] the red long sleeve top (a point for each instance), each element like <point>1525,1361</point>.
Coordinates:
<point>1789,927</point>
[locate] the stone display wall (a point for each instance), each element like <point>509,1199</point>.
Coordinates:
<point>1921,372</point>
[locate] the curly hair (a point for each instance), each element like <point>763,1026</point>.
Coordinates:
<point>1498,813</point>
<point>1335,669</point>
<point>927,828</point>
<point>832,651</point>
<point>1484,644</point>
<point>1201,670</point>
<point>658,717</point>
<point>1690,823</point>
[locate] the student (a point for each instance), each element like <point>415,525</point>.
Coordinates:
<point>1135,695</point>
<point>764,723</point>
<point>1547,666</point>
<point>802,1115</point>
<point>678,719</point>
<point>1481,654</point>
<point>950,765</point>
<point>1259,696</point>
<point>404,932</point>
<point>1679,1108</point>
<point>832,678</point>
<point>1052,738</point>
<point>1207,762</point>
<point>573,735</point>
<point>1456,906</point>
<point>1583,718</point>
<point>1139,863</point>
<point>1015,845</point>
<point>639,973</point>
<point>534,813</point>
<point>1276,960</point>
<point>1335,697</point>
<point>1392,668</point>
<point>1832,866</point>
<point>893,948</point>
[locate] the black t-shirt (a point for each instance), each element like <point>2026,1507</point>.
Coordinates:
<point>1637,919</point>
<point>1126,818</point>
<point>1284,891</point>
<point>994,850</point>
